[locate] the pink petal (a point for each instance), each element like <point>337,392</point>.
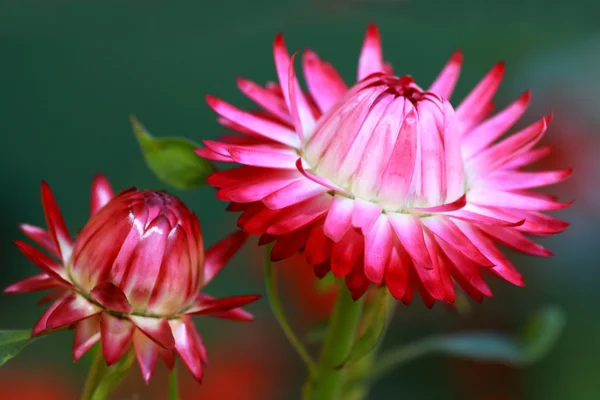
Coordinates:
<point>410,232</point>
<point>365,214</point>
<point>268,129</point>
<point>40,236</point>
<point>324,83</point>
<point>33,284</point>
<point>442,278</point>
<point>378,244</point>
<point>189,346</point>
<point>56,224</point>
<point>211,155</point>
<point>72,308</point>
<point>111,297</point>
<point>443,208</point>
<point>289,244</point>
<point>156,329</point>
<point>338,218</point>
<point>447,231</point>
<point>145,263</point>
<point>346,253</point>
<point>44,262</point>
<point>206,305</point>
<point>146,352</point>
<point>41,324</point>
<point>318,179</point>
<point>299,215</point>
<point>516,240</point>
<point>295,101</point>
<point>294,193</point>
<point>397,271</point>
<point>266,99</point>
<point>454,168</point>
<point>483,215</point>
<point>371,55</point>
<point>262,156</point>
<point>87,334</point>
<point>254,188</point>
<point>522,201</point>
<point>492,129</point>
<point>218,255</point>
<point>466,272</point>
<point>258,219</point>
<point>446,80</point>
<point>237,314</point>
<point>102,193</point>
<point>513,180</point>
<point>116,337</point>
<point>318,246</point>
<point>474,105</point>
<point>529,157</point>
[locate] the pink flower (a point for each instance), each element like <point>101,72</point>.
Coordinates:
<point>385,182</point>
<point>132,276</point>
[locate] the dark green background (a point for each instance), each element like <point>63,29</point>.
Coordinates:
<point>72,71</point>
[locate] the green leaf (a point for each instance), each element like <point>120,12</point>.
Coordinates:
<point>374,322</point>
<point>173,160</point>
<point>12,342</point>
<point>535,341</point>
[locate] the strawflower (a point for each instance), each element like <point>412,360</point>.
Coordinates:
<point>385,182</point>
<point>133,277</point>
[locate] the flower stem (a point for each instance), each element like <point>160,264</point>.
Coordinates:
<point>97,370</point>
<point>341,332</point>
<point>173,385</point>
<point>277,309</point>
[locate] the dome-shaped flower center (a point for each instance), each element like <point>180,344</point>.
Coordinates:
<point>391,143</point>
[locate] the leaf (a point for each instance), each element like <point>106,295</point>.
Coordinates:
<point>535,341</point>
<point>12,342</point>
<point>373,327</point>
<point>173,160</point>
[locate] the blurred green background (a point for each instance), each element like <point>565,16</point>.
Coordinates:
<point>72,72</point>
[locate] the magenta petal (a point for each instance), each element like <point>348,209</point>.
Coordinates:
<point>446,80</point>
<point>324,83</point>
<point>371,55</point>
<point>40,236</point>
<point>87,334</point>
<point>116,337</point>
<point>73,308</point>
<point>102,193</point>
<point>33,284</point>
<point>146,352</point>
<point>44,262</point>
<point>453,206</point>
<point>189,346</point>
<point>378,244</point>
<point>156,329</point>
<point>338,218</point>
<point>111,297</point>
<point>41,325</point>
<point>237,314</point>
<point>218,255</point>
<point>206,305</point>
<point>56,224</point>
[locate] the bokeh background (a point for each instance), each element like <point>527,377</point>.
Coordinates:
<point>72,71</point>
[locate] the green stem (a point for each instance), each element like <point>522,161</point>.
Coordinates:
<point>275,304</point>
<point>341,332</point>
<point>97,370</point>
<point>173,385</point>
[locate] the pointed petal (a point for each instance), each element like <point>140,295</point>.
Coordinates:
<point>72,308</point>
<point>111,297</point>
<point>378,244</point>
<point>218,255</point>
<point>268,129</point>
<point>301,114</point>
<point>516,240</point>
<point>56,225</point>
<point>299,215</point>
<point>87,334</point>
<point>146,352</point>
<point>324,83</point>
<point>338,218</point>
<point>522,201</point>
<point>116,337</point>
<point>319,179</point>
<point>44,262</point>
<point>33,284</point>
<point>40,236</point>
<point>41,324</point>
<point>206,305</point>
<point>515,180</point>
<point>266,99</point>
<point>318,246</point>
<point>446,80</point>
<point>189,346</point>
<point>346,253</point>
<point>397,271</point>
<point>289,244</point>
<point>371,55</point>
<point>156,329</point>
<point>365,214</point>
<point>453,206</point>
<point>294,193</point>
<point>102,193</point>
<point>237,314</point>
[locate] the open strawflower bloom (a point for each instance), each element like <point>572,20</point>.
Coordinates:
<point>385,182</point>
<point>132,277</point>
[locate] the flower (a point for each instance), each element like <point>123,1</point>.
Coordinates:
<point>385,182</point>
<point>132,276</point>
